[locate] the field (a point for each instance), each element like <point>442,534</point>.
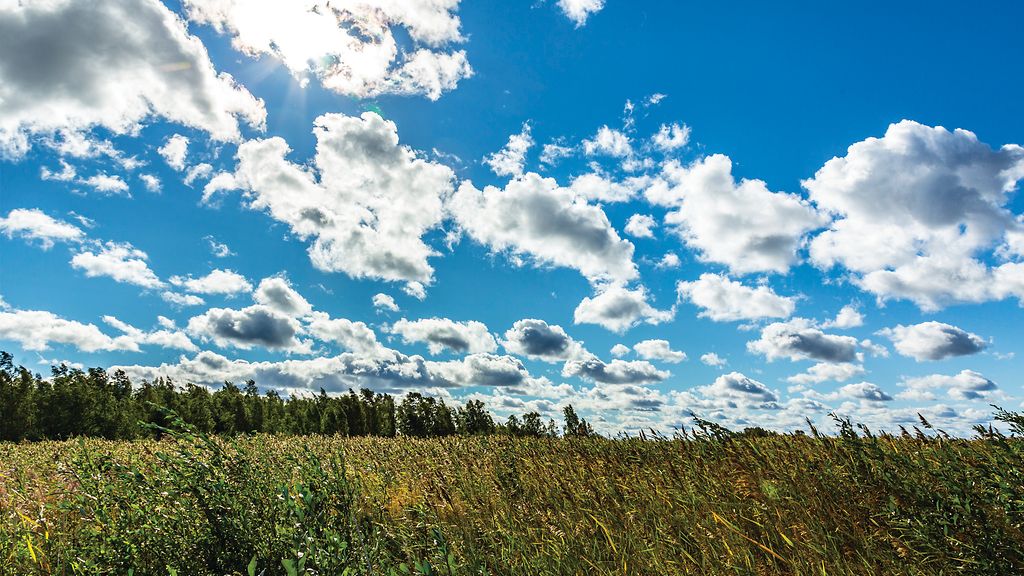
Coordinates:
<point>714,503</point>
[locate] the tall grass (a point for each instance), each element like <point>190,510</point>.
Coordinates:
<point>709,503</point>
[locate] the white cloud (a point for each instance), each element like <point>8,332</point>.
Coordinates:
<point>966,385</point>
<point>174,150</point>
<point>620,350</point>
<point>197,172</point>
<point>112,64</point>
<point>658,350</point>
<point>865,391</point>
<point>151,182</point>
<point>736,387</point>
<point>218,249</point>
<point>671,137</point>
<point>914,210</point>
<point>799,339</point>
<point>440,333</point>
<point>713,359</point>
<point>167,338</point>
<point>725,300</point>
<point>509,161</point>
<point>933,341</point>
<point>416,290</point>
<point>218,281</point>
<point>384,302</point>
<point>256,325</point>
<point>36,330</point>
<point>848,317</point>
<point>593,369</point>
<point>277,293</point>
<point>618,309</point>
<point>107,184</point>
<point>608,142</point>
<point>668,261</point>
<point>481,370</point>
<point>553,152</point>
<point>366,206</point>
<point>597,187</point>
<point>640,225</point>
<point>181,300</point>
<point>352,49</point>
<point>120,261</point>
<point>538,340</point>
<point>579,10</point>
<point>744,226</point>
<point>828,371</point>
<point>353,336</point>
<point>533,216</point>
<point>34,224</point>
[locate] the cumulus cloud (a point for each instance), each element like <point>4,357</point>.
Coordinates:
<point>35,225</point>
<point>481,370</point>
<point>121,262</point>
<point>593,369</point>
<point>658,350</point>
<point>848,317</point>
<point>828,371</point>
<point>914,210</point>
<point>799,339</point>
<point>671,137</point>
<point>735,387</point>
<point>174,150</point>
<point>363,49</point>
<point>181,300</point>
<point>110,64</point>
<point>618,309</point>
<point>744,226</point>
<point>255,325</point>
<point>277,293</point>
<point>384,302</point>
<point>966,385</point>
<point>599,187</point>
<point>538,340</point>
<point>608,142</point>
<point>37,329</point>
<point>227,282</point>
<point>579,10</point>
<point>725,300</point>
<point>509,161</point>
<point>169,337</point>
<point>107,184</point>
<point>620,350</point>
<point>713,359</point>
<point>535,218</point>
<point>933,341</point>
<point>865,391</point>
<point>441,333</point>
<point>640,226</point>
<point>353,336</point>
<point>366,206</point>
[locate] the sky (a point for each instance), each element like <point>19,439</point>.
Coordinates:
<point>758,214</point>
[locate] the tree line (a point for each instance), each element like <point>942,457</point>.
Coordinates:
<point>95,403</point>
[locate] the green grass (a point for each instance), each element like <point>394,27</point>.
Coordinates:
<point>191,504</point>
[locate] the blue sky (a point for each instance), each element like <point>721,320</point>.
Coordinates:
<point>465,220</point>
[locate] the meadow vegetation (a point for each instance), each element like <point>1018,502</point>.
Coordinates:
<point>180,500</point>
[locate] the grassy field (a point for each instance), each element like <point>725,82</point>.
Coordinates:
<point>716,504</point>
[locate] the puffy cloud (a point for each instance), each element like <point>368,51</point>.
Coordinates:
<point>618,309</point>
<point>799,339</point>
<point>198,172</point>
<point>277,293</point>
<point>620,350</point>
<point>967,385</point>
<point>109,63</point>
<point>481,370</point>
<point>744,226</point>
<point>671,137</point>
<point>217,281</point>
<point>640,225</point>
<point>34,224</point>
<point>848,317</point>
<point>353,336</point>
<point>415,289</point>
<point>828,371</point>
<point>658,350</point>
<point>384,302</point>
<point>597,187</point>
<point>933,341</point>
<point>725,300</point>
<point>538,340</point>
<point>534,217</point>
<point>151,182</point>
<point>735,387</point>
<point>579,10</point>
<point>174,150</point>
<point>713,359</point>
<point>592,368</point>
<point>509,161</point>
<point>167,338</point>
<point>366,207</point>
<point>669,260</point>
<point>914,210</point>
<point>863,391</point>
<point>176,299</point>
<point>441,333</point>
<point>107,184</point>
<point>256,325</point>
<point>121,262</point>
<point>38,329</point>
<point>552,152</point>
<point>352,49</point>
<point>218,249</point>
<point>608,142</point>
